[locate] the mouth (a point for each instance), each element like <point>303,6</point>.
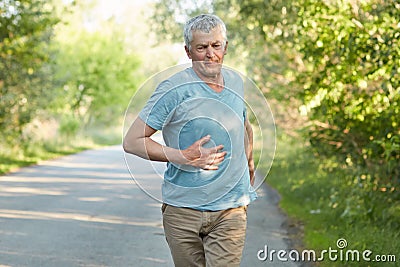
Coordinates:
<point>211,63</point>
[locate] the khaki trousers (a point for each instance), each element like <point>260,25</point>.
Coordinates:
<point>205,238</point>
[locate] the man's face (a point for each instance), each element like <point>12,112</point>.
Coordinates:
<point>207,52</point>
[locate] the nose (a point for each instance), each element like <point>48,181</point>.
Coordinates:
<point>210,51</point>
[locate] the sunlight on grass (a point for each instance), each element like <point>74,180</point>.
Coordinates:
<point>33,152</point>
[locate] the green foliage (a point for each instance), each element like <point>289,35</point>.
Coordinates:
<point>351,91</point>
<point>25,63</point>
<point>69,126</point>
<point>62,84</point>
<point>96,77</point>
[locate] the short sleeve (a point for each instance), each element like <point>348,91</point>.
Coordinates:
<point>160,106</point>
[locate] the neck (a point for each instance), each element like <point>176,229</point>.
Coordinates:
<point>214,82</point>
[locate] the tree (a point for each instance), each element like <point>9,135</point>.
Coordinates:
<point>96,76</point>
<point>25,63</point>
<point>351,90</point>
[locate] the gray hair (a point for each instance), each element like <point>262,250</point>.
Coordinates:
<point>204,23</point>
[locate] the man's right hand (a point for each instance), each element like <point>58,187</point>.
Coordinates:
<point>204,158</point>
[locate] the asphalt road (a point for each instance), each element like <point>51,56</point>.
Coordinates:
<point>86,210</point>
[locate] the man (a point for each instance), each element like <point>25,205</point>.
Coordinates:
<point>208,182</point>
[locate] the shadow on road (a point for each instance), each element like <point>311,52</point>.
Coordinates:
<point>86,210</point>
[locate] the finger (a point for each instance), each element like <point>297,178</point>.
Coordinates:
<point>218,157</point>
<point>218,161</point>
<point>221,155</point>
<point>252,179</point>
<point>204,140</point>
<point>215,159</point>
<point>210,167</point>
<point>217,148</point>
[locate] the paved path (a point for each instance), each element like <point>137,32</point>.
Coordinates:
<point>85,210</point>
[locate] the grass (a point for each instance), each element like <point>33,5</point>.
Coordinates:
<point>316,195</point>
<point>26,154</point>
<point>9,163</point>
<point>11,159</point>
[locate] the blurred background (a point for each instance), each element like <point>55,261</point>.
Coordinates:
<point>329,69</point>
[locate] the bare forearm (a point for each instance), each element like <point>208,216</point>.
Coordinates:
<point>248,140</point>
<point>138,142</point>
<point>249,150</point>
<point>147,148</point>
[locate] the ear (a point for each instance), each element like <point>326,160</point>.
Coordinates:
<point>188,52</point>
<point>226,48</point>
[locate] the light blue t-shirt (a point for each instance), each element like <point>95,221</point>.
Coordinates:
<point>187,109</point>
